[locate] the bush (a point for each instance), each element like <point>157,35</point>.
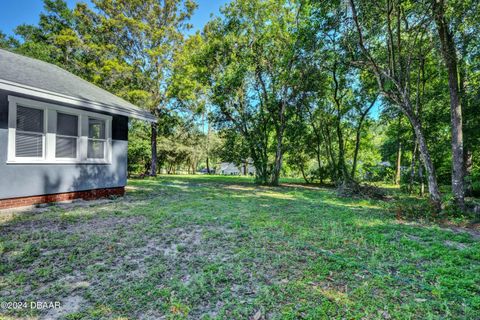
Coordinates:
<point>319,174</point>
<point>355,190</point>
<point>139,156</point>
<point>473,180</point>
<point>415,209</point>
<point>379,174</point>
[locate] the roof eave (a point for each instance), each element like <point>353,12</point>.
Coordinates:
<point>62,98</point>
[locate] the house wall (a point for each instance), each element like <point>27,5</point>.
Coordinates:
<point>21,180</point>
<point>229,168</point>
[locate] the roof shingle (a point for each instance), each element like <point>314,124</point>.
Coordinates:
<point>35,73</point>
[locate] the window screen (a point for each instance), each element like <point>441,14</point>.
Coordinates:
<point>96,129</point>
<point>96,139</point>
<point>67,134</point>
<point>96,149</point>
<point>29,132</point>
<point>67,124</point>
<point>66,147</point>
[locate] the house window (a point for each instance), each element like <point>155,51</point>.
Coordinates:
<point>40,132</point>
<point>96,139</point>
<point>30,135</point>
<point>66,136</point>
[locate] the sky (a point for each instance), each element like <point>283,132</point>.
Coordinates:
<point>28,11</point>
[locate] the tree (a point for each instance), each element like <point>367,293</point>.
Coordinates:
<point>147,32</point>
<point>251,58</point>
<point>449,53</point>
<point>363,109</point>
<point>393,75</point>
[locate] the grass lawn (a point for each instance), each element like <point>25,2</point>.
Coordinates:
<point>201,247</point>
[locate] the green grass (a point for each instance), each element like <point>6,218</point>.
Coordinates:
<point>207,247</point>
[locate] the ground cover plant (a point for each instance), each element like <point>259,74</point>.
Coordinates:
<point>209,247</point>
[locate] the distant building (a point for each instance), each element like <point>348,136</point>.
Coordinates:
<point>230,168</point>
<point>384,164</point>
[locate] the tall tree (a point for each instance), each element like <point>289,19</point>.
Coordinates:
<point>147,32</point>
<point>449,53</point>
<point>363,109</point>
<point>394,73</point>
<point>253,76</point>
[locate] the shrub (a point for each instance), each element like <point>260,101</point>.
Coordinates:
<point>379,173</point>
<point>415,209</point>
<point>473,180</point>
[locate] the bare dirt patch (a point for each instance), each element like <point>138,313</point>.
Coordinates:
<point>456,245</point>
<point>475,233</point>
<point>70,304</point>
<point>85,227</point>
<point>237,187</point>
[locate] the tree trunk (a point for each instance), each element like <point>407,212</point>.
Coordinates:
<point>317,143</point>
<point>432,179</point>
<point>358,135</point>
<point>277,166</point>
<point>450,58</point>
<point>259,161</point>
<point>317,152</point>
<point>412,167</point>
<point>153,167</point>
<point>342,168</point>
<point>398,171</point>
<point>355,153</point>
<point>331,157</point>
<point>468,162</point>
<point>207,146</point>
<point>420,176</point>
<point>302,169</point>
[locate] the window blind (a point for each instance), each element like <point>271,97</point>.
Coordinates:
<point>67,135</point>
<point>67,124</point>
<point>29,133</point>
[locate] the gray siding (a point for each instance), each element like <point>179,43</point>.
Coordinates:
<point>19,180</point>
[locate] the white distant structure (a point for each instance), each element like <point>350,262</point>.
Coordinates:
<point>231,169</point>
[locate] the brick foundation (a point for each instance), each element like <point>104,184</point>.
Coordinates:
<point>85,195</point>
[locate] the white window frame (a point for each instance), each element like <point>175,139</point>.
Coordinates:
<point>50,128</point>
<point>12,128</point>
<point>105,140</point>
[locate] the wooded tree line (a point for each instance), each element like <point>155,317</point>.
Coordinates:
<point>338,91</point>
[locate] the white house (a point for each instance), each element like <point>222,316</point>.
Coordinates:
<point>230,168</point>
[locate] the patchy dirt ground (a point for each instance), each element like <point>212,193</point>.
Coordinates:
<point>184,248</point>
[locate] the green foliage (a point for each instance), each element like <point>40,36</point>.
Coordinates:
<point>279,82</point>
<point>233,147</point>
<point>379,173</point>
<point>473,180</point>
<point>139,155</point>
<point>415,209</point>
